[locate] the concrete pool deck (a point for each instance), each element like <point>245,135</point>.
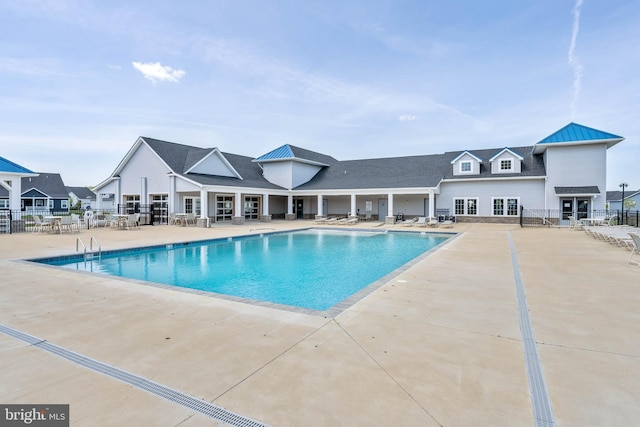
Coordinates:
<point>440,344</point>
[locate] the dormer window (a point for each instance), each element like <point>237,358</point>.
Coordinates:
<point>465,166</point>
<point>506,162</point>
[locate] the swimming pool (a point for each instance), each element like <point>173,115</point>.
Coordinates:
<point>312,269</point>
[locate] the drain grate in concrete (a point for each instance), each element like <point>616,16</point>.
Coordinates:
<point>160,390</point>
<point>542,412</point>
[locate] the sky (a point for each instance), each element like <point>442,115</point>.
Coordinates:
<point>81,80</point>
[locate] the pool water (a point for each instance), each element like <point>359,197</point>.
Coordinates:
<point>313,269</point>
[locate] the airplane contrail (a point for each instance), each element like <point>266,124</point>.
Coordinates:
<point>573,59</point>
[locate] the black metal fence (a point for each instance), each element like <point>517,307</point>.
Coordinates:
<point>557,218</point>
<point>18,221</point>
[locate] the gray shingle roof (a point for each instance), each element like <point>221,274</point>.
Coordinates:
<point>50,184</point>
<point>392,172</point>
<point>82,192</point>
<point>414,171</point>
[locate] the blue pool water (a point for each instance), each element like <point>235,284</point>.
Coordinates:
<point>313,269</point>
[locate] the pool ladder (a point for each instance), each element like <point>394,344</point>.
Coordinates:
<point>91,254</point>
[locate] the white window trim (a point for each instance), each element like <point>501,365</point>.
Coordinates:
<point>512,162</point>
<point>477,200</point>
<point>470,171</point>
<point>505,200</point>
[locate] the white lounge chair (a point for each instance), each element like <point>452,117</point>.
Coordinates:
<point>635,238</point>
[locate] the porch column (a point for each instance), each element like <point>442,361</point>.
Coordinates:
<point>290,215</point>
<point>16,192</point>
<point>117,197</point>
<point>390,219</point>
<point>431,203</point>
<point>204,208</point>
<point>238,212</point>
<point>265,217</point>
<point>354,213</point>
<point>173,201</point>
<point>320,214</point>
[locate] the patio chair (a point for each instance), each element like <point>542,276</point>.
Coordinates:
<point>132,221</point>
<point>575,224</point>
<point>67,224</point>
<point>636,249</point>
<point>191,219</point>
<point>41,225</point>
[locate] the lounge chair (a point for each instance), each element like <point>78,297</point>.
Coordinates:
<point>408,222</point>
<point>447,223</point>
<point>421,222</point>
<point>433,222</point>
<point>348,221</point>
<point>635,238</point>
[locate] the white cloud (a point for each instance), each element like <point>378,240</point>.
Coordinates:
<point>156,72</point>
<point>407,117</point>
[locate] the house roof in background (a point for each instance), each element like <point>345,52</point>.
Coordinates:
<point>616,196</point>
<point>82,192</point>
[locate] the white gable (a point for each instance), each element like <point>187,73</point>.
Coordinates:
<point>466,164</point>
<point>216,164</point>
<point>506,161</point>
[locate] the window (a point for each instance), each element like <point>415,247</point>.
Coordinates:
<point>465,206</point>
<point>465,166</point>
<point>64,204</point>
<point>505,165</point>
<point>224,208</point>
<point>505,206</point>
<point>4,204</point>
<point>498,206</point>
<point>131,203</point>
<point>192,205</point>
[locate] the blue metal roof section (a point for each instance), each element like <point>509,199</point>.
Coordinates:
<point>10,167</point>
<point>574,132</point>
<point>284,152</point>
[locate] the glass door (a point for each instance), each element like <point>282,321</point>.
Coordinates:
<point>567,208</point>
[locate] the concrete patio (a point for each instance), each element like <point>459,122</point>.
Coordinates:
<point>440,344</point>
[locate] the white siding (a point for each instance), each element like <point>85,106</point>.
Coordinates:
<point>581,165</point>
<point>530,193</point>
<point>278,173</point>
<point>143,163</point>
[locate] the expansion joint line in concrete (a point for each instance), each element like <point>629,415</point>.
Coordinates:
<point>175,396</point>
<point>386,372</point>
<point>542,412</point>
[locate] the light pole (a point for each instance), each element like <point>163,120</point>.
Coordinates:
<point>623,185</point>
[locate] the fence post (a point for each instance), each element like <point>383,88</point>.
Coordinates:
<point>521,213</point>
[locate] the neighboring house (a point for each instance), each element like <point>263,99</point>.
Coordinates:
<point>42,192</point>
<point>11,175</point>
<point>84,195</point>
<point>88,199</point>
<point>614,199</point>
<point>565,172</point>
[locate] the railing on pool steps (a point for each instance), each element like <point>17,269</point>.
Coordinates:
<point>92,253</point>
